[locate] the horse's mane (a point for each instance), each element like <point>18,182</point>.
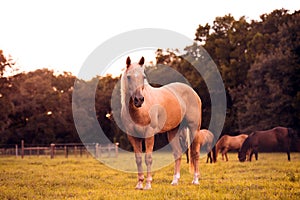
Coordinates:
<point>245,147</point>
<point>123,89</point>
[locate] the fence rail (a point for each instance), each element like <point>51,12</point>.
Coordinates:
<point>64,149</point>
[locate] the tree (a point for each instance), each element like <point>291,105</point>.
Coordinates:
<point>269,96</point>
<point>4,63</point>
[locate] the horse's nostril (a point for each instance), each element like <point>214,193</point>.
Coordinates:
<point>136,100</point>
<point>142,99</point>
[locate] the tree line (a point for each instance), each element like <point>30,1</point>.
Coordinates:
<point>259,62</point>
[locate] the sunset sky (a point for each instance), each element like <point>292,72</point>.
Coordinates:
<point>60,35</point>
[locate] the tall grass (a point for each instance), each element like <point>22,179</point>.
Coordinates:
<point>271,177</point>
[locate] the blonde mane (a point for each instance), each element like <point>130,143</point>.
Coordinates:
<point>123,89</point>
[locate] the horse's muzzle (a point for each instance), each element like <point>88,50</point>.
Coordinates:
<point>138,101</point>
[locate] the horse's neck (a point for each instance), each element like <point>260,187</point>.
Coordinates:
<point>246,145</point>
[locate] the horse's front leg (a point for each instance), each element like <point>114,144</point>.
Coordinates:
<point>149,143</point>
<point>137,147</point>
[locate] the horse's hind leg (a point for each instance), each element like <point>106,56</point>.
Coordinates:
<point>195,153</point>
<point>256,155</point>
<point>149,142</point>
<point>226,156</point>
<point>173,138</point>
<point>137,147</point>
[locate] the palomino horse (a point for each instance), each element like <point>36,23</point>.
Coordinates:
<point>204,138</point>
<point>227,143</point>
<point>147,111</point>
<point>278,138</point>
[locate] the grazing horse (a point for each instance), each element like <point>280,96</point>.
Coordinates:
<point>227,143</point>
<point>147,111</point>
<point>203,138</point>
<point>278,138</point>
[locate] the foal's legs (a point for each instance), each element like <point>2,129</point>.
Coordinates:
<point>149,142</point>
<point>173,139</point>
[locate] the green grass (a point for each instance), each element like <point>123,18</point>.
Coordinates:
<point>271,177</point>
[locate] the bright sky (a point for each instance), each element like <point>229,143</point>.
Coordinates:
<point>60,34</point>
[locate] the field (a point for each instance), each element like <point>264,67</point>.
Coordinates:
<point>271,177</point>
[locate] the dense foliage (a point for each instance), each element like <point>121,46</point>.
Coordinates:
<point>259,62</point>
<point>260,66</point>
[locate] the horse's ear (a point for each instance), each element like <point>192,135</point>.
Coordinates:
<point>128,61</point>
<point>142,61</point>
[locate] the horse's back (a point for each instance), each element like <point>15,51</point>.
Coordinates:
<point>189,100</point>
<point>243,136</point>
<point>271,139</point>
<point>207,136</point>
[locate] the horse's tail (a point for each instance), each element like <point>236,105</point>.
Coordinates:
<point>243,150</point>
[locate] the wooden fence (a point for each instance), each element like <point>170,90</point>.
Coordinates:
<point>63,149</point>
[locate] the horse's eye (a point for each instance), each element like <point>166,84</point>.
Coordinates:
<point>128,77</point>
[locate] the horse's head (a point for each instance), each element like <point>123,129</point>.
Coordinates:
<point>136,79</point>
<point>242,156</point>
<point>245,149</point>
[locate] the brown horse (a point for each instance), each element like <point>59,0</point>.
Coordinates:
<point>205,139</point>
<point>227,143</point>
<point>278,138</point>
<point>147,111</point>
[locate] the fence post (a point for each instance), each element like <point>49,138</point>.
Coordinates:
<point>100,150</point>
<point>117,149</point>
<point>16,150</point>
<point>52,147</point>
<point>75,151</point>
<point>80,151</point>
<point>108,148</point>
<point>66,151</point>
<point>22,149</point>
<point>97,150</point>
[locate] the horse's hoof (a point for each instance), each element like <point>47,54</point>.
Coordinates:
<point>174,183</point>
<point>195,182</point>
<point>139,186</point>
<point>147,187</point>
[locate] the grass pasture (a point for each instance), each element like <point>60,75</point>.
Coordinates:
<point>271,177</point>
